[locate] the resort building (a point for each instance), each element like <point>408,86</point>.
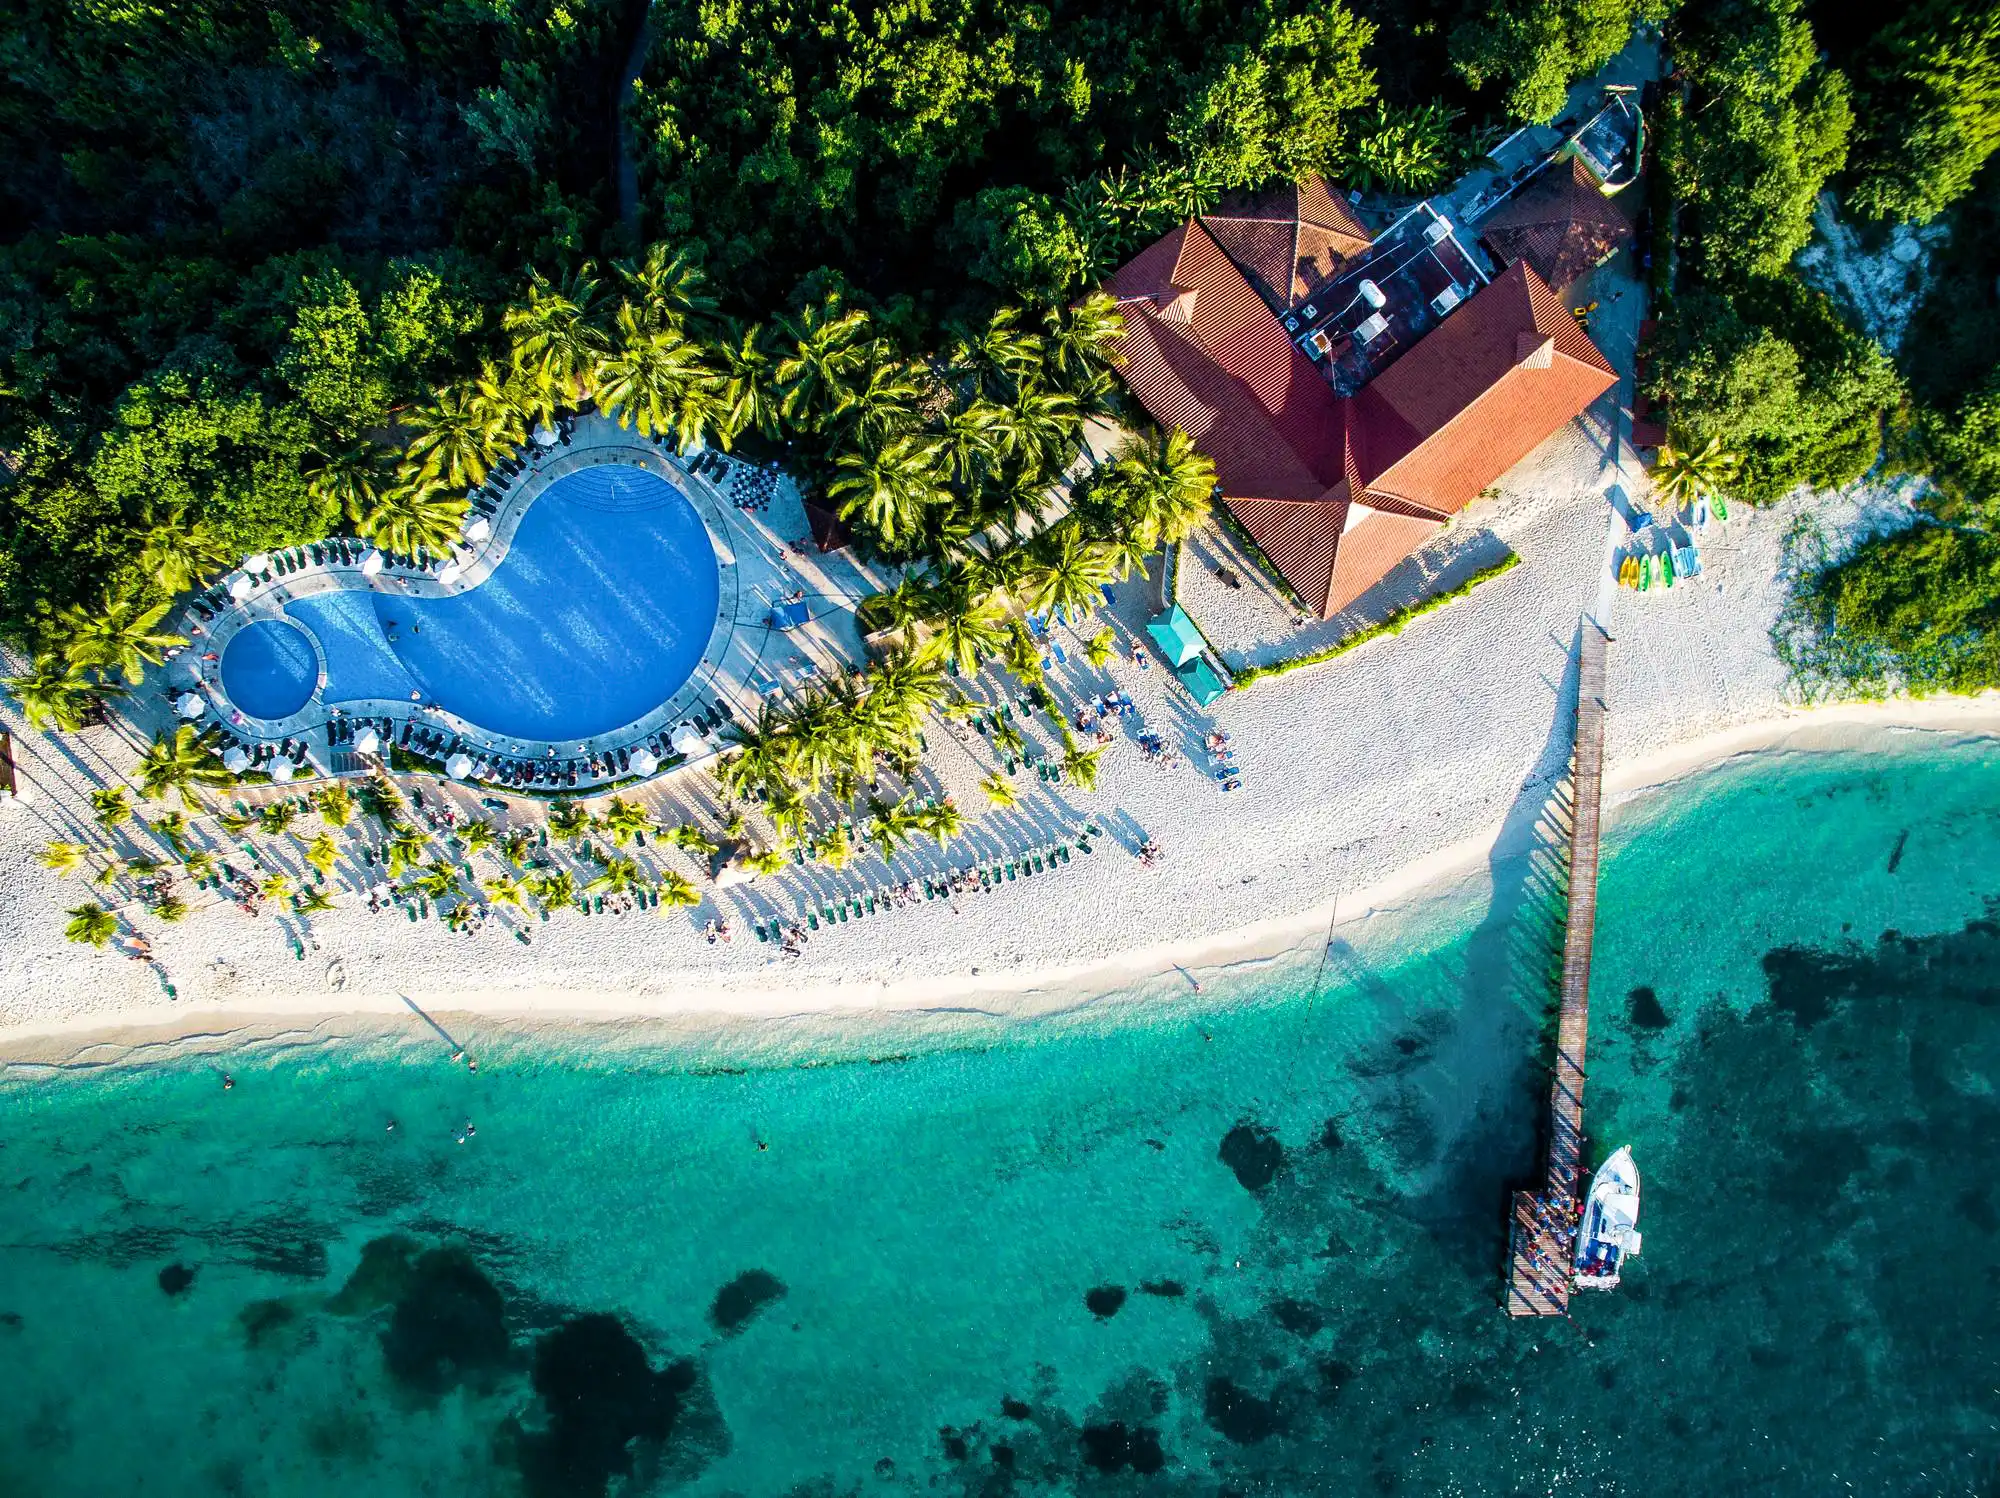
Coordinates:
<point>1352,418</point>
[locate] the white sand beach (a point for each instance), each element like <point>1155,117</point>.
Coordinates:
<point>1364,778</point>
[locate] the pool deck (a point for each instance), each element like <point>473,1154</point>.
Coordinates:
<point>763,557</point>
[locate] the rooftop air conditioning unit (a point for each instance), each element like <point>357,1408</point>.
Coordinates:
<point>1291,325</point>
<point>1447,299</point>
<point>1438,231</point>
<point>1321,343</point>
<point>1373,328</point>
<point>1312,311</point>
<point>1372,295</point>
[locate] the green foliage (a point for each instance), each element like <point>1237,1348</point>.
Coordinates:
<point>1538,48</point>
<point>1916,610</point>
<point>1022,243</point>
<point>1768,127</point>
<point>1405,150</point>
<point>1775,374</point>
<point>1928,109</point>
<point>1395,624</point>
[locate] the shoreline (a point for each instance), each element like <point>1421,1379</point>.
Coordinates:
<point>696,1005</point>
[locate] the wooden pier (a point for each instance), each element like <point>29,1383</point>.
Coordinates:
<point>1538,1272</point>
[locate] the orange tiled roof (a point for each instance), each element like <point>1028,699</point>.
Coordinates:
<point>1562,224</point>
<point>1337,491</point>
<point>1289,240</point>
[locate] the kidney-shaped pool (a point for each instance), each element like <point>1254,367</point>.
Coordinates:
<point>598,614</point>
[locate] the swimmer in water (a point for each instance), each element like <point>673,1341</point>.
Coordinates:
<point>227,1081</point>
<point>469,1129</point>
<point>392,1126</point>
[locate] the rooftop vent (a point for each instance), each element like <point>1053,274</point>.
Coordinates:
<point>1373,328</point>
<point>1179,307</point>
<point>1447,299</point>
<point>1437,231</point>
<point>1321,343</point>
<point>1311,310</point>
<point>1372,295</point>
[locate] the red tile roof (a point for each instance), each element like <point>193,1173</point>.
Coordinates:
<point>1289,240</point>
<point>1562,224</point>
<point>1203,353</point>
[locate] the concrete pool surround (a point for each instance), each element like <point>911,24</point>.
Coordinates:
<point>263,610</point>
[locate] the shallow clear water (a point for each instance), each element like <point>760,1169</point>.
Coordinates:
<point>599,613</point>
<point>915,1284</point>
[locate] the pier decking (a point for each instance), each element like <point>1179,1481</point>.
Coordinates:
<point>1538,1274</point>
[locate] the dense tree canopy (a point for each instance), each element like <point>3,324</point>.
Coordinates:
<point>1538,48</point>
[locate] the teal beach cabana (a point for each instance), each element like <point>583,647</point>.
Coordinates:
<point>1175,634</point>
<point>1201,681</point>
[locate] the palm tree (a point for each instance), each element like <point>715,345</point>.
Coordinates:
<point>180,765</point>
<point>1000,791</point>
<point>667,287</point>
<point>1042,430</point>
<point>109,875</point>
<point>1080,764</point>
<point>199,866</point>
<point>90,923</point>
<point>1102,646</point>
<point>411,517</point>
<point>170,907</point>
<point>624,820</point>
<point>121,634</point>
<point>1068,571</point>
<point>503,889</point>
<point>826,353</point>
<point>350,477</point>
<point>765,861</point>
<point>381,800</point>
<point>554,333</point>
<point>899,609</point>
<point>972,440</point>
<point>437,879</point>
<point>570,822</point>
<point>677,891</point>
<point>892,487</point>
<point>109,806</point>
<point>786,807</point>
<point>406,846</point>
<point>235,823</point>
<point>335,804</point>
<point>276,887</point>
<point>312,902</point>
<point>836,847</point>
<point>746,402</point>
<point>517,847</point>
<point>171,827</point>
<point>1163,488</point>
<point>1082,340</point>
<point>554,890</point>
<point>890,827</point>
<point>659,380</point>
<point>477,835</point>
<point>276,819</point>
<point>1001,358</point>
<point>458,435</point>
<point>971,628</point>
<point>322,854</point>
<point>692,839</point>
<point>57,693</point>
<point>176,553</point>
<point>1680,477</point>
<point>940,820</point>
<point>885,401</point>
<point>620,876</point>
<point>63,858</point>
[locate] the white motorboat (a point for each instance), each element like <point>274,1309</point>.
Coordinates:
<point>1609,1229</point>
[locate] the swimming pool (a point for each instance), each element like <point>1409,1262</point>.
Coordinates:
<point>598,614</point>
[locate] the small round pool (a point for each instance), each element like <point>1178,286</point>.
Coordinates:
<point>269,668</point>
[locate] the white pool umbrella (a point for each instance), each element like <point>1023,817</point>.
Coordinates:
<point>478,528</point>
<point>644,762</point>
<point>543,437</point>
<point>240,587</point>
<point>281,770</point>
<point>371,564</point>
<point>259,563</point>
<point>368,741</point>
<point>458,766</point>
<point>450,572</point>
<point>191,705</point>
<point>686,740</point>
<point>234,760</point>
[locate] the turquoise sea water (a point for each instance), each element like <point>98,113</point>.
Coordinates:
<point>1251,1247</point>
